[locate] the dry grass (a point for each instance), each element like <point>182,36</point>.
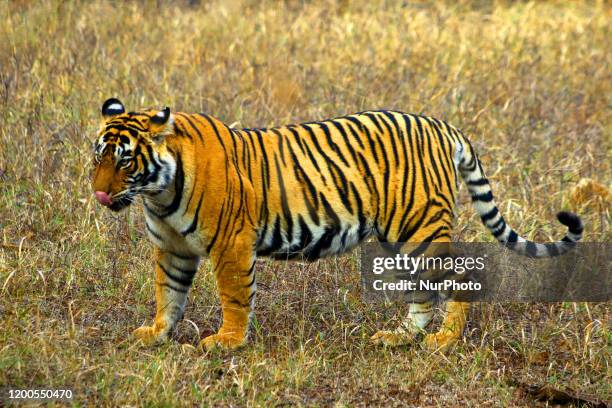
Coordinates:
<point>529,81</point>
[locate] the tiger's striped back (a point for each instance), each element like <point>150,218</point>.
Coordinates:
<point>327,185</point>
<point>322,187</point>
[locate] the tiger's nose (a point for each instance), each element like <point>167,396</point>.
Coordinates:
<point>103,198</point>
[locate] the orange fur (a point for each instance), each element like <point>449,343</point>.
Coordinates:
<point>304,191</point>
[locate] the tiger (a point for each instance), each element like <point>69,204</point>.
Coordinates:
<point>304,191</point>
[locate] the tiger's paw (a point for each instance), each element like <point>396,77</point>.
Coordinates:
<point>225,341</point>
<point>392,338</point>
<point>149,335</point>
<point>441,340</point>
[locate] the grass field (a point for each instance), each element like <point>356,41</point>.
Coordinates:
<point>529,82</point>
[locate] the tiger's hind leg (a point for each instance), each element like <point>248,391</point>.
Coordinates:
<point>419,316</point>
<point>455,313</point>
<point>455,317</point>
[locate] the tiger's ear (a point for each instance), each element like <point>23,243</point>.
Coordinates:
<point>161,124</point>
<point>112,107</point>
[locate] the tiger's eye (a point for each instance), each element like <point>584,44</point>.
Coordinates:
<point>125,162</point>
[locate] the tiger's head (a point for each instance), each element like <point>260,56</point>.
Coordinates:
<point>131,156</point>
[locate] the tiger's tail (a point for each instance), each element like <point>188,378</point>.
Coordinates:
<point>472,173</point>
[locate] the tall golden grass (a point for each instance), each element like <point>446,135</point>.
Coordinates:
<point>529,82</point>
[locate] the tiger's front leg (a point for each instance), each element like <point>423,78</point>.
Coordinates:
<point>173,277</point>
<point>235,275</point>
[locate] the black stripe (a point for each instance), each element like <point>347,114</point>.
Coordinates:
<point>374,120</point>
<point>513,237</point>
<point>281,145</point>
<point>183,270</point>
<point>194,222</point>
<point>364,129</point>
<point>406,233</point>
<point>265,179</point>
<point>265,174</point>
<point>180,131</point>
<point>150,177</point>
<point>300,174</point>
<point>277,240</point>
<point>387,170</point>
<point>342,189</point>
<point>439,215</point>
<point>354,133</point>
<point>489,215</point>
<point>305,235</point>
<point>252,279</point>
<point>479,182</point>
<point>471,166</point>
<point>284,202</point>
<point>182,281</point>
<point>485,197</point>
<point>409,165</point>
<point>297,138</point>
<point>308,151</point>
<point>498,233</point>
<point>212,124</point>
<point>192,125</point>
<point>440,232</point>
<point>391,136</point>
<point>324,242</point>
<point>402,140</point>
<point>179,182</point>
<point>183,257</point>
<point>369,178</point>
<point>174,288</point>
<point>250,138</point>
<point>344,135</point>
<point>331,143</point>
<point>155,234</point>
<point>363,232</point>
<point>432,158</point>
<point>330,211</point>
<point>238,303</point>
<point>552,250</point>
<point>131,129</point>
<point>445,157</point>
<point>149,209</point>
<point>531,248</point>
